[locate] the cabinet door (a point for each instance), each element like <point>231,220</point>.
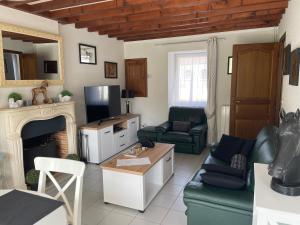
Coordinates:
<point>107,142</point>
<point>136,76</point>
<point>132,128</point>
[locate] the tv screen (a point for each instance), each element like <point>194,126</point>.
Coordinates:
<point>50,66</point>
<point>102,102</point>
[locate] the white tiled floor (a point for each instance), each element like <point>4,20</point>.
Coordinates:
<point>166,209</point>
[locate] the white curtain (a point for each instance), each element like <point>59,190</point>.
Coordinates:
<point>212,54</point>
<point>188,79</point>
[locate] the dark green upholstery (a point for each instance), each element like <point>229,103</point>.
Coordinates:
<point>193,141</point>
<point>148,132</point>
<point>209,205</point>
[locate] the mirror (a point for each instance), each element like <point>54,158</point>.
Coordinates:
<point>29,57</point>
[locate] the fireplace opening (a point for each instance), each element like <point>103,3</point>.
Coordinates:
<point>42,138</point>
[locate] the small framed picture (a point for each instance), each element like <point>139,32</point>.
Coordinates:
<point>229,65</point>
<point>111,70</point>
<point>87,54</point>
<point>287,60</point>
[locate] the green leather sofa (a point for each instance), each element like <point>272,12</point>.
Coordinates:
<point>209,205</point>
<point>193,141</point>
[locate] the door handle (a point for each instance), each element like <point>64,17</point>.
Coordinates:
<point>122,145</point>
<point>133,122</point>
<point>122,136</point>
<point>107,132</point>
<point>169,159</point>
<point>237,101</point>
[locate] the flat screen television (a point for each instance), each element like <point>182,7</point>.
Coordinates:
<point>102,102</point>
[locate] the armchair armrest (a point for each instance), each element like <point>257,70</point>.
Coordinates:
<point>198,130</point>
<point>163,127</point>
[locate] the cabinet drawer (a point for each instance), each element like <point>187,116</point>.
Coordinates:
<point>168,160</point>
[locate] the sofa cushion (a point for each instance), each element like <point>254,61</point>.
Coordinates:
<point>174,136</point>
<point>238,199</point>
<point>228,147</point>
<point>181,126</point>
<point>247,147</point>
<point>223,180</point>
<point>212,160</point>
<point>265,147</point>
<point>223,169</point>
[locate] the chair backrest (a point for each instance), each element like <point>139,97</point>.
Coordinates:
<point>195,115</point>
<point>75,168</point>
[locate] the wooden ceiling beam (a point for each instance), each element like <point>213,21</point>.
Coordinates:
<point>164,14</point>
<point>210,23</point>
<point>198,31</point>
<point>130,7</point>
<point>181,21</point>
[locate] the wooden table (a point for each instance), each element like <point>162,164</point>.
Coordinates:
<point>270,207</point>
<point>136,186</point>
<point>57,217</point>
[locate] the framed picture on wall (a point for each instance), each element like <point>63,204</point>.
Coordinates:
<point>295,59</point>
<point>229,65</point>
<point>87,54</point>
<point>111,70</point>
<point>287,60</point>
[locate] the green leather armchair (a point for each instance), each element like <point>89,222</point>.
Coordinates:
<point>209,205</point>
<point>193,141</point>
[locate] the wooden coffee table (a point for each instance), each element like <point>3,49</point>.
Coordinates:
<point>136,186</point>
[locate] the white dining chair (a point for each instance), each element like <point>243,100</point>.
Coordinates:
<point>47,165</point>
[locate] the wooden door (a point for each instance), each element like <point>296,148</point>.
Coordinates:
<point>136,76</point>
<point>254,89</point>
<point>29,67</point>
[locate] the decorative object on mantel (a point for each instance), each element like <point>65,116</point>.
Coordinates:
<point>285,167</point>
<point>65,96</point>
<point>87,54</point>
<point>127,94</point>
<point>295,60</point>
<point>229,65</point>
<point>41,90</point>
<point>287,60</point>
<point>15,100</point>
<point>111,70</point>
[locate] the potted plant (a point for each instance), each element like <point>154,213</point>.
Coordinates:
<point>32,179</point>
<point>73,157</point>
<point>65,96</point>
<point>15,100</point>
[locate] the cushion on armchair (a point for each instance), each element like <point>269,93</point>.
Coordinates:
<point>181,126</point>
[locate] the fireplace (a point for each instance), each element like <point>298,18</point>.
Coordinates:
<point>29,128</point>
<point>39,139</point>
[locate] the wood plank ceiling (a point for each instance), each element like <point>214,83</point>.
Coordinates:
<point>132,20</point>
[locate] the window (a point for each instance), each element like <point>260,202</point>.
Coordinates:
<point>188,79</point>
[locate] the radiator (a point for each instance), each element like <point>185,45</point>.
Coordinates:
<point>225,116</point>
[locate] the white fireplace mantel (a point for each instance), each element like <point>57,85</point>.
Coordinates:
<point>12,122</point>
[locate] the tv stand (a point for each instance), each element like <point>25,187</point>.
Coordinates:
<point>107,119</point>
<point>105,138</point>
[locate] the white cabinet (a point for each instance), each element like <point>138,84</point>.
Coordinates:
<point>120,141</point>
<point>132,128</point>
<point>167,161</point>
<point>100,142</point>
<point>107,142</point>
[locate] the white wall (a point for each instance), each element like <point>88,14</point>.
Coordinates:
<point>19,18</point>
<point>290,25</point>
<point>79,75</point>
<point>154,108</point>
